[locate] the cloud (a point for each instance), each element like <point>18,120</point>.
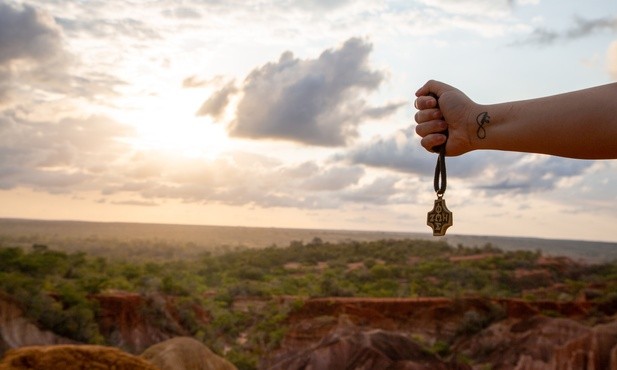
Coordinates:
<point>384,111</point>
<point>196,81</point>
<point>312,101</point>
<point>398,152</point>
<point>471,7</point>
<point>136,203</point>
<point>320,5</point>
<point>216,104</point>
<point>534,173</point>
<point>334,178</point>
<point>114,26</point>
<point>86,154</point>
<point>580,28</point>
<point>380,191</point>
<point>239,179</point>
<point>33,58</point>
<point>31,53</point>
<point>57,156</point>
<point>539,36</point>
<point>26,33</point>
<point>585,27</point>
<point>482,170</point>
<point>402,152</point>
<point>182,12</point>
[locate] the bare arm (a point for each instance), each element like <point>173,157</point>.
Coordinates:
<point>579,124</point>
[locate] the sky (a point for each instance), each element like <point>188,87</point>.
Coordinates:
<point>282,113</point>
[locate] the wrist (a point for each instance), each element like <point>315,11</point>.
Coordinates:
<point>479,121</point>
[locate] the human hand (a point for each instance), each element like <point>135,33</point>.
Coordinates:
<point>452,113</point>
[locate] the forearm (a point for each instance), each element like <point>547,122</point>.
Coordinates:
<point>579,124</point>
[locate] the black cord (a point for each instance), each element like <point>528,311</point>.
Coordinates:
<point>440,182</point>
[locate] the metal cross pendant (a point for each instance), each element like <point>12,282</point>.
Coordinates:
<point>440,217</point>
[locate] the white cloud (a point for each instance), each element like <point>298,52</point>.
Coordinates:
<point>240,179</point>
<point>312,101</point>
<point>334,178</point>
<point>380,191</point>
<point>485,8</point>
<point>57,156</point>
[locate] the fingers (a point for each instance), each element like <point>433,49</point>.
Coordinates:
<point>425,102</point>
<point>426,115</point>
<point>431,127</point>
<point>431,124</point>
<point>433,140</point>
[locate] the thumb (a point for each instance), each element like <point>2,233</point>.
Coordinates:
<point>435,87</point>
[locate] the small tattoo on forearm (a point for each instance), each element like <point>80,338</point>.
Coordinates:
<point>482,119</point>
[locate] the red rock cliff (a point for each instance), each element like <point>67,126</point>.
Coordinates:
<point>502,334</point>
<point>134,322</point>
<point>17,331</point>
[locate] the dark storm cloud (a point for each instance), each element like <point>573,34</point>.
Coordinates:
<point>311,101</point>
<point>579,29</point>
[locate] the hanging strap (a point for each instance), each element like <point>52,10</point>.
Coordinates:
<point>440,182</point>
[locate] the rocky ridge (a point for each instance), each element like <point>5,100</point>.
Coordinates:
<point>179,353</point>
<point>17,331</point>
<point>497,334</point>
<point>353,333</point>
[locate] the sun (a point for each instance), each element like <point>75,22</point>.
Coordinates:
<point>168,123</point>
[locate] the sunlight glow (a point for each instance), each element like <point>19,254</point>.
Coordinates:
<point>168,123</point>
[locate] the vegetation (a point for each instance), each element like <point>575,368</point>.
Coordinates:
<point>55,287</point>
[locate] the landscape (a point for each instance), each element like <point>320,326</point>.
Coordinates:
<point>244,185</point>
<point>267,298</point>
